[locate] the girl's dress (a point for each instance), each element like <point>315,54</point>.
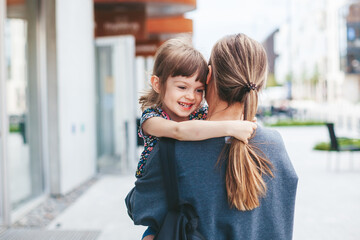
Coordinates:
<point>150,141</point>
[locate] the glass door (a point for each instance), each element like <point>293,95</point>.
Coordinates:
<point>3,125</point>
<point>116,103</point>
<point>18,111</point>
<point>105,109</point>
<point>24,163</point>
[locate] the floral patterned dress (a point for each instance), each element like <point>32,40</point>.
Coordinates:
<point>150,141</point>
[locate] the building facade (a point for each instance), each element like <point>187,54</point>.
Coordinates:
<point>321,57</point>
<point>48,127</point>
<point>350,49</point>
<point>317,55</point>
<point>69,83</point>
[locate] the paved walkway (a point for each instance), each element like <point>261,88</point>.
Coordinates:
<point>102,207</point>
<point>327,207</point>
<point>328,200</point>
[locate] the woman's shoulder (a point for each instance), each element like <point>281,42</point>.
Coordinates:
<point>269,134</point>
<point>271,143</point>
<point>268,140</point>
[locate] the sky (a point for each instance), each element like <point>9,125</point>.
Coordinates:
<point>214,19</point>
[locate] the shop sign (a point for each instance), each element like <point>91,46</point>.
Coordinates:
<point>15,2</point>
<point>114,21</point>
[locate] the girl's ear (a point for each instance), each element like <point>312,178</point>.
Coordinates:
<point>208,77</point>
<point>155,83</point>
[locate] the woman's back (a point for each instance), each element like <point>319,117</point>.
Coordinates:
<point>202,183</point>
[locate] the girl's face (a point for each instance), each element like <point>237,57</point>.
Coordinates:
<point>183,95</point>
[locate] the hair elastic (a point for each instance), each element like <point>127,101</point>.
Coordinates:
<point>251,86</point>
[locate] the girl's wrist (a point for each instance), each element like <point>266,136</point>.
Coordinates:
<point>229,129</point>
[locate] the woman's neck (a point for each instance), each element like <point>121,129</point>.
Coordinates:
<point>220,111</point>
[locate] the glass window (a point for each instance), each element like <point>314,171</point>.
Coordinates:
<point>23,142</point>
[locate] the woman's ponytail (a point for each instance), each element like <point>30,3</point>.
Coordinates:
<point>245,169</point>
<point>239,67</point>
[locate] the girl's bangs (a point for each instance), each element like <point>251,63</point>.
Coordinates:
<point>189,66</point>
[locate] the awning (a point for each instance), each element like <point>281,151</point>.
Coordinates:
<point>169,25</point>
<point>158,8</point>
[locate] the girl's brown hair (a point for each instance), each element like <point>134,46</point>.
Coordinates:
<point>175,57</point>
<point>239,71</point>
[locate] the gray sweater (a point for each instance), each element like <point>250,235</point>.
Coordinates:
<point>202,183</point>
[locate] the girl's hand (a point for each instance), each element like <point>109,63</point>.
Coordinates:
<point>149,237</point>
<point>243,130</point>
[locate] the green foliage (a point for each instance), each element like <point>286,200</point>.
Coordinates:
<point>322,146</point>
<point>314,80</point>
<point>271,81</point>
<point>289,77</point>
<point>14,128</point>
<point>343,142</point>
<point>288,123</point>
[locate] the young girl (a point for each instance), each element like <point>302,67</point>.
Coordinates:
<point>178,86</point>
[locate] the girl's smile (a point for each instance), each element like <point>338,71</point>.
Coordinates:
<point>186,106</point>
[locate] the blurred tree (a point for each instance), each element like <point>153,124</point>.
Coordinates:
<point>271,81</point>
<point>289,77</point>
<point>314,80</point>
<point>304,75</point>
<point>289,84</point>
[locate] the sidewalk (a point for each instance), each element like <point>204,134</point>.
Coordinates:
<point>327,207</point>
<point>102,208</point>
<point>328,200</point>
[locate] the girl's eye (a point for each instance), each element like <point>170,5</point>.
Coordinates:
<point>200,90</point>
<point>181,87</point>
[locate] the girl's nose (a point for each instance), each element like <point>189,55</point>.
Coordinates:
<point>190,95</point>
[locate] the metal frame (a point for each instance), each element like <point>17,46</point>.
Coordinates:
<point>5,214</point>
<point>42,47</point>
<point>42,84</point>
<point>49,91</point>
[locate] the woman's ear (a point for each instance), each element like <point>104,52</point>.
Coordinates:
<point>208,77</point>
<point>155,83</point>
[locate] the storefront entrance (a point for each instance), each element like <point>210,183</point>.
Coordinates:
<point>116,98</point>
<point>22,162</point>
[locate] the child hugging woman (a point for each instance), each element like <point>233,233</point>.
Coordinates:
<point>177,94</point>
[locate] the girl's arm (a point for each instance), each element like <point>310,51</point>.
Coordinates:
<point>196,130</point>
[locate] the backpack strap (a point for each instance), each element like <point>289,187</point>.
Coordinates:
<point>167,158</point>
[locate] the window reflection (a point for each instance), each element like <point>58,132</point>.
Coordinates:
<point>25,173</point>
<point>18,152</point>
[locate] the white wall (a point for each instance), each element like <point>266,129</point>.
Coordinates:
<point>141,77</point>
<point>144,67</point>
<point>76,91</point>
<point>351,88</point>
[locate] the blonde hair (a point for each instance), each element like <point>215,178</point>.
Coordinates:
<point>175,57</point>
<point>239,71</point>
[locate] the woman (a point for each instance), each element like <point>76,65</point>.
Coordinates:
<point>239,191</point>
